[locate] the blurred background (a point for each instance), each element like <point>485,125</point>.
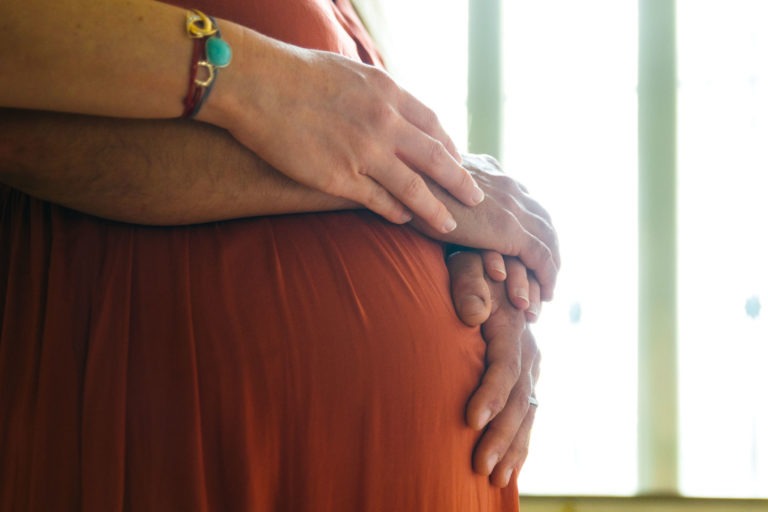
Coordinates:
<point>642,126</point>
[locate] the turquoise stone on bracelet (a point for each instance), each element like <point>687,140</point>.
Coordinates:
<point>218,51</point>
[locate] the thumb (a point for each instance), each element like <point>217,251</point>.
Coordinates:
<point>470,292</point>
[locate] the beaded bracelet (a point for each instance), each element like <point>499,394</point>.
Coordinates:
<point>210,52</point>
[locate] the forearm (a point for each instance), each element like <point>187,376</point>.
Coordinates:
<point>125,59</point>
<point>142,171</point>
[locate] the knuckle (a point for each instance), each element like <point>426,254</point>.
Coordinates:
<point>510,203</point>
<point>377,198</point>
<point>491,160</point>
<point>465,180</point>
<point>382,115</point>
<point>518,453</point>
<point>413,187</point>
<point>537,253</point>
<point>511,244</point>
<point>437,153</point>
<point>513,369</point>
<point>381,80</point>
<point>430,119</point>
<point>520,401</point>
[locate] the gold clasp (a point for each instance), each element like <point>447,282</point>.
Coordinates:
<point>199,25</point>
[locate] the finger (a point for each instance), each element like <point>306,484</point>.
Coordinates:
<point>502,334</point>
<point>471,296</point>
<point>513,460</point>
<point>533,253</point>
<point>429,156</point>
<point>378,200</point>
<point>517,283</point>
<point>546,231</point>
<point>503,429</point>
<point>501,432</point>
<point>534,310</point>
<point>493,262</point>
<point>537,257</point>
<point>410,189</point>
<point>527,211</point>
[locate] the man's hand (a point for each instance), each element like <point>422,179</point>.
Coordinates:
<point>501,403</point>
<point>523,289</point>
<point>508,221</point>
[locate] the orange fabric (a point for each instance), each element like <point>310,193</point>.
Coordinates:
<point>294,363</point>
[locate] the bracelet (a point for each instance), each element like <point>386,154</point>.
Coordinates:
<point>210,52</point>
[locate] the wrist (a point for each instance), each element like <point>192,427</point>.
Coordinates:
<point>215,101</point>
<point>248,92</point>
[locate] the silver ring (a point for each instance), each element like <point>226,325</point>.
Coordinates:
<point>533,401</point>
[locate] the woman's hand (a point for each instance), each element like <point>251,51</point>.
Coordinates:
<point>508,221</point>
<point>344,128</point>
<point>328,122</point>
<point>501,403</point>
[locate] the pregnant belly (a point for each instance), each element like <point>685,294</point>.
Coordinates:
<point>261,364</point>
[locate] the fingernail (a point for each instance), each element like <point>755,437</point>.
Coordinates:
<point>493,459</point>
<point>485,417</point>
<point>407,217</point>
<point>500,271</point>
<point>532,313</point>
<point>478,195</point>
<point>507,476</point>
<point>521,298</point>
<point>449,225</point>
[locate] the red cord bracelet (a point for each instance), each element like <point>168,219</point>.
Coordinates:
<point>194,91</point>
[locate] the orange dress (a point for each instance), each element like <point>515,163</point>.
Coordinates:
<point>293,363</point>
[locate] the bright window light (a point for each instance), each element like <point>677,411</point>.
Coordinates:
<point>425,45</point>
<point>723,247</point>
<point>570,120</point>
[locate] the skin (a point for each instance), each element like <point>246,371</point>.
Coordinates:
<point>500,404</point>
<point>106,62</point>
<point>509,222</point>
<point>149,172</point>
<point>276,99</point>
<point>152,172</point>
